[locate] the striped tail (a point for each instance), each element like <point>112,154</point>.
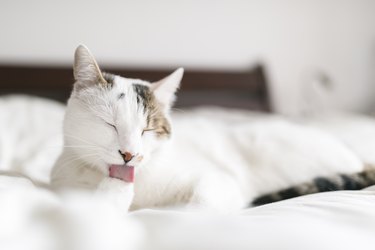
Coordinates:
<point>353,181</point>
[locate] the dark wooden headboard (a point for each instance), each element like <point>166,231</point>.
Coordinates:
<point>237,89</point>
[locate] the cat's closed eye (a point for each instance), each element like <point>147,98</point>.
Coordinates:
<point>113,126</point>
<point>147,130</point>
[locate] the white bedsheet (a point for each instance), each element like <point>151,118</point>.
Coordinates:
<point>34,218</point>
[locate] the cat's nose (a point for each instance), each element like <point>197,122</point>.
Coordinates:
<point>127,156</point>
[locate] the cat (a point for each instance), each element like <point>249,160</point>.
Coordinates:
<point>119,143</point>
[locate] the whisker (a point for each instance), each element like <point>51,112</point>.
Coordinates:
<point>177,110</point>
<point>76,158</point>
<point>78,138</point>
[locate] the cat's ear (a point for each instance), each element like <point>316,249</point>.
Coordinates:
<point>86,70</point>
<point>165,89</point>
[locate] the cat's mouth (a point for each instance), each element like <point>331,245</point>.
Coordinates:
<point>122,172</point>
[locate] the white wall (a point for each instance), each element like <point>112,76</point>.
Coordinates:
<point>298,40</point>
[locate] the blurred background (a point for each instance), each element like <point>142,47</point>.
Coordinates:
<point>316,54</point>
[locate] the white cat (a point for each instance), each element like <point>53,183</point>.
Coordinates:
<point>117,137</point>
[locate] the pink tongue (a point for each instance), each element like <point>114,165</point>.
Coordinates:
<point>122,172</point>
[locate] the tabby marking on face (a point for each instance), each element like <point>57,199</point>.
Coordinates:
<point>155,117</point>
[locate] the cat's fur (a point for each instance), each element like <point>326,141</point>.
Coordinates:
<point>108,113</point>
<point>354,181</point>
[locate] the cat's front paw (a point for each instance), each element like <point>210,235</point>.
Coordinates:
<point>116,191</point>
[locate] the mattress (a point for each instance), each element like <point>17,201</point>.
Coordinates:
<point>32,217</point>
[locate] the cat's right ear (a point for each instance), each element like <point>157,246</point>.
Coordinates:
<point>165,89</point>
<point>86,70</point>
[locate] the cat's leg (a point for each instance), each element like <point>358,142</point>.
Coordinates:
<point>117,192</point>
<point>219,192</point>
<point>72,178</point>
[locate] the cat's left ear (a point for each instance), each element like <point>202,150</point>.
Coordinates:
<point>86,70</point>
<point>165,89</point>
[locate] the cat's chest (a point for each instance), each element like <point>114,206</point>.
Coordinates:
<point>160,187</point>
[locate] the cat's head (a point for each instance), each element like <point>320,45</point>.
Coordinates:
<point>115,120</point>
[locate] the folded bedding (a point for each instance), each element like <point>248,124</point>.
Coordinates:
<point>33,218</point>
<point>31,140</point>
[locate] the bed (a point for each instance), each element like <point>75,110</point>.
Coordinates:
<point>34,218</point>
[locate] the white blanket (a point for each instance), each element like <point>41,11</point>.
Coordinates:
<point>34,218</point>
